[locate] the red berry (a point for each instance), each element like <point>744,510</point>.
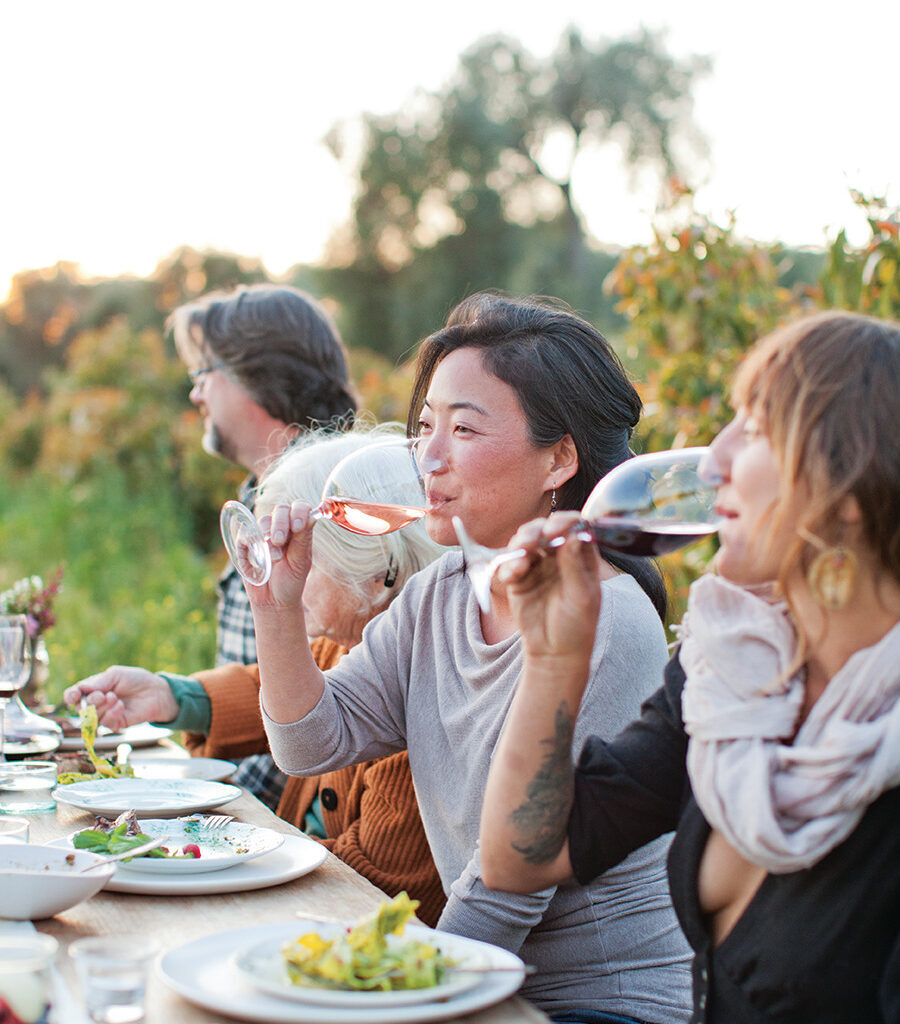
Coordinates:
<point>191,850</point>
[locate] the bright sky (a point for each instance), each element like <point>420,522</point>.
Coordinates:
<point>132,128</point>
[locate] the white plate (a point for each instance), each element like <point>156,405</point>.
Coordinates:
<point>296,856</point>
<point>202,972</point>
<point>162,798</point>
<point>221,848</point>
<point>209,768</point>
<point>143,735</point>
<point>261,965</point>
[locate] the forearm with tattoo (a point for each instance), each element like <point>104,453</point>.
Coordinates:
<point>543,817</point>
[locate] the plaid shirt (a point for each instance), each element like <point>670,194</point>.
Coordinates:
<point>236,642</point>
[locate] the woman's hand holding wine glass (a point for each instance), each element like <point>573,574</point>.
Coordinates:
<point>556,601</point>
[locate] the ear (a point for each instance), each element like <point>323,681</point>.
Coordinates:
<point>564,461</point>
<point>849,510</point>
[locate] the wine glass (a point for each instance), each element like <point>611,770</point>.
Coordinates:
<point>15,661</point>
<point>649,505</point>
<point>349,499</point>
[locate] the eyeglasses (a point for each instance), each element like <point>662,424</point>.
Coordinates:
<point>198,375</point>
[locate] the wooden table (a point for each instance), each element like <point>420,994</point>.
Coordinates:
<point>332,890</point>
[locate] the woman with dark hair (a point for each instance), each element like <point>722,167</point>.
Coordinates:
<point>774,744</point>
<point>507,401</point>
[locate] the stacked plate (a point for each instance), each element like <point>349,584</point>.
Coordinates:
<point>239,973</point>
<point>235,858</point>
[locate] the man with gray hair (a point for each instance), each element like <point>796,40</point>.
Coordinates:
<point>266,363</point>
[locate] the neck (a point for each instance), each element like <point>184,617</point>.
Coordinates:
<point>269,445</point>
<point>834,636</point>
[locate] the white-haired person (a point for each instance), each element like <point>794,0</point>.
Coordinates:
<point>366,814</point>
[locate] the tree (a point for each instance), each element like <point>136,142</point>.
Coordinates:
<point>470,175</point>
<point>480,151</point>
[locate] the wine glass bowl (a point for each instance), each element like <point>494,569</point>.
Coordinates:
<point>648,506</point>
<point>360,495</point>
<point>15,661</point>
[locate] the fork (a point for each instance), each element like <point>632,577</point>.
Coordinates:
<point>210,821</point>
<point>216,821</point>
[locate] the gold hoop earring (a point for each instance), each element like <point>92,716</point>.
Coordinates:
<point>832,577</point>
<point>553,500</point>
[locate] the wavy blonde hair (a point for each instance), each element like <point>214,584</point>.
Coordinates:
<point>827,389</point>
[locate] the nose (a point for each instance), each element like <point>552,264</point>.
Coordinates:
<point>715,466</point>
<point>429,455</point>
<point>709,471</point>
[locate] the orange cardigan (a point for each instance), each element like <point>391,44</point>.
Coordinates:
<point>371,815</point>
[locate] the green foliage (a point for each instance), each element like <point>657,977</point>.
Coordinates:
<point>695,300</point>
<point>135,590</point>
<point>866,280</point>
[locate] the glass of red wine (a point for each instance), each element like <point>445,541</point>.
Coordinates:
<point>15,661</point>
<point>372,491</point>
<point>649,505</point>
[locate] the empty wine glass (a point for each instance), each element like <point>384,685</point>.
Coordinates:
<point>15,661</point>
<point>349,499</point>
<point>649,505</point>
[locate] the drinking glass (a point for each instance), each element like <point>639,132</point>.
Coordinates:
<point>649,505</point>
<point>26,984</point>
<point>15,661</point>
<point>350,498</point>
<point>112,972</point>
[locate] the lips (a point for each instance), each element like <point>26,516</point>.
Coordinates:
<point>436,501</point>
<point>725,513</point>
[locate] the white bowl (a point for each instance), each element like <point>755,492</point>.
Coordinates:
<point>40,881</point>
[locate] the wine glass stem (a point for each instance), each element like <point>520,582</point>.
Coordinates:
<point>578,530</point>
<point>3,703</point>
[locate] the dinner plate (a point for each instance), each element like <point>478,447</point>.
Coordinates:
<point>209,768</point>
<point>296,856</point>
<point>162,798</point>
<point>202,972</point>
<point>220,848</point>
<point>143,735</point>
<point>262,966</point>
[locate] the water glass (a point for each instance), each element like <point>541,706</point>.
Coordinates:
<point>26,984</point>
<point>112,972</point>
<point>27,786</point>
<point>13,830</point>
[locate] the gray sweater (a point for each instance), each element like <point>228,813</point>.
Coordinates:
<point>423,678</point>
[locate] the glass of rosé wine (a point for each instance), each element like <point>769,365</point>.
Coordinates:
<point>372,513</point>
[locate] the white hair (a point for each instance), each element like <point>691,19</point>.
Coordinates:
<point>301,472</point>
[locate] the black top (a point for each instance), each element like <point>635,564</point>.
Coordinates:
<point>819,946</point>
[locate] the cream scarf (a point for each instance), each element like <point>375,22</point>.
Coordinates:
<point>783,807</point>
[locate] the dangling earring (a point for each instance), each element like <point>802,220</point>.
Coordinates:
<point>832,577</point>
<point>390,577</point>
<point>553,500</point>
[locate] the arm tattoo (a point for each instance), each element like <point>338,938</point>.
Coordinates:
<point>542,818</point>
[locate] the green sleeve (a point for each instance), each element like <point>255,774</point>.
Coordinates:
<point>194,709</point>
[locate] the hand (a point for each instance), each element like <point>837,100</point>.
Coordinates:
<point>554,593</point>
<point>125,695</point>
<point>288,531</point>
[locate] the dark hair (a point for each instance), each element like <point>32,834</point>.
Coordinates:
<point>279,344</point>
<point>827,389</point>
<point>568,380</point>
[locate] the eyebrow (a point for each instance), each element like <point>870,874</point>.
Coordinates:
<point>453,406</point>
